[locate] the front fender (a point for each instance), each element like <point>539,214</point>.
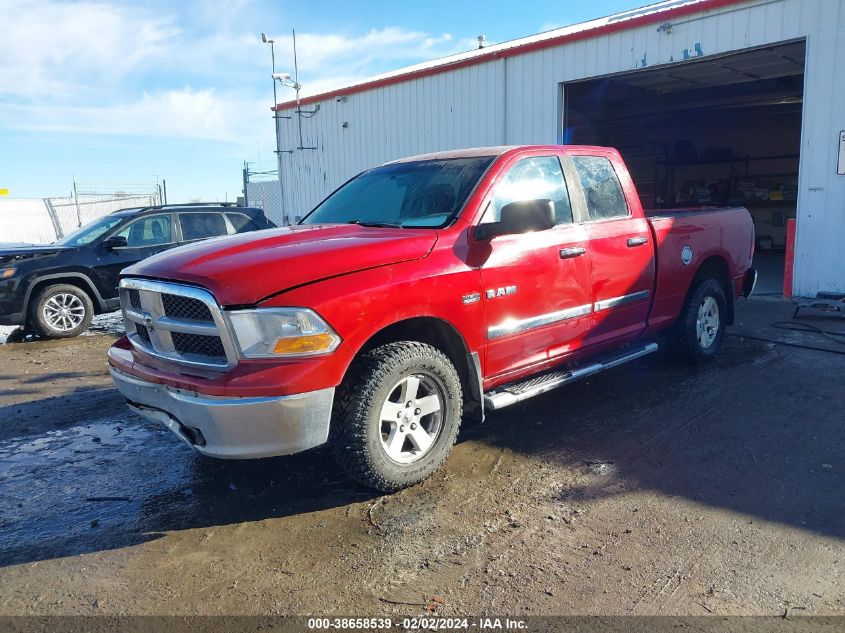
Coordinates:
<point>361,304</point>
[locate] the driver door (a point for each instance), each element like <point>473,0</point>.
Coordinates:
<point>535,286</point>
<point>144,237</point>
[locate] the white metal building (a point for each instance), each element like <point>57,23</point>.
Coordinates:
<point>710,102</point>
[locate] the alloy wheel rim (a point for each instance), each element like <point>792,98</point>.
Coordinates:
<point>63,312</point>
<point>707,323</point>
<point>411,418</point>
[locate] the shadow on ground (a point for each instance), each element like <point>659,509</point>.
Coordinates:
<point>759,432</point>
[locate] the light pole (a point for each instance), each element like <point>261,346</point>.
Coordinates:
<point>293,82</point>
<point>269,41</point>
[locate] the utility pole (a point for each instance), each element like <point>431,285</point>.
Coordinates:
<point>246,180</point>
<point>271,42</point>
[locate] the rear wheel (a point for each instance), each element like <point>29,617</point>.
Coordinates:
<point>700,328</point>
<point>61,311</point>
<point>396,415</point>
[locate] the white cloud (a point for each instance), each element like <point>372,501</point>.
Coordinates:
<point>118,69</point>
<point>329,60</point>
<point>50,48</point>
<point>186,113</point>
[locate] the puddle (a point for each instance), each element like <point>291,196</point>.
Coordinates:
<point>50,484</point>
<point>121,481</point>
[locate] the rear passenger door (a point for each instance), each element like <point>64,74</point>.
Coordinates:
<point>201,225</point>
<point>621,252</point>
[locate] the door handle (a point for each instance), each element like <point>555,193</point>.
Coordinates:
<point>572,251</point>
<point>637,241</point>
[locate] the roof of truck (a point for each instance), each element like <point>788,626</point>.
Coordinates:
<point>470,152</point>
<point>495,150</point>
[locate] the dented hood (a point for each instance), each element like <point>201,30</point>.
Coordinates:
<point>245,269</point>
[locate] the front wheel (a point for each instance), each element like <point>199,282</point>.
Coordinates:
<point>700,328</point>
<point>396,415</point>
<point>61,311</point>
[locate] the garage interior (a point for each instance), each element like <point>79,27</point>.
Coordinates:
<point>715,131</point>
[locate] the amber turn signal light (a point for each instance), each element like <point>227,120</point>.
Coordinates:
<point>304,344</point>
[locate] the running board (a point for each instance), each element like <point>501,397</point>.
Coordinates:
<point>512,393</point>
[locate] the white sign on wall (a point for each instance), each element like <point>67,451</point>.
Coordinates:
<point>841,169</point>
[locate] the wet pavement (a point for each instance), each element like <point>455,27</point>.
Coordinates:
<point>653,488</point>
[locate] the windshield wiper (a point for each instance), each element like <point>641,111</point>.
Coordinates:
<point>388,225</point>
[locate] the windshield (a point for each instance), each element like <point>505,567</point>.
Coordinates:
<point>90,232</point>
<point>428,193</point>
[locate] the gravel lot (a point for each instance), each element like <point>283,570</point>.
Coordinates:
<point>655,488</point>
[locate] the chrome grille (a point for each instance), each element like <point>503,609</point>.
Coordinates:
<point>198,344</point>
<point>180,307</point>
<point>178,323</point>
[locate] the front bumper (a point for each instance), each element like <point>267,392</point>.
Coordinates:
<point>230,427</point>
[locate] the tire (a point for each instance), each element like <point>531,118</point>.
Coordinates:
<point>389,454</point>
<point>700,328</point>
<point>61,311</point>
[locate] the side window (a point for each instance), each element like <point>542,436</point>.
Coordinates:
<point>241,223</point>
<point>535,178</point>
<point>601,187</point>
<point>148,231</point>
<point>198,226</point>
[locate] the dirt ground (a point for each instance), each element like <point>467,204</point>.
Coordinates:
<point>655,488</point>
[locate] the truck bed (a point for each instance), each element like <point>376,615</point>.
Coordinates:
<point>723,233</point>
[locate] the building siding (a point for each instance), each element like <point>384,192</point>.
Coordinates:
<point>516,100</point>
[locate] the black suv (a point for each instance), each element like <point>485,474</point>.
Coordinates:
<point>57,288</point>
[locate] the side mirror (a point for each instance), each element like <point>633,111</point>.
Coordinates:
<point>525,216</point>
<point>115,241</point>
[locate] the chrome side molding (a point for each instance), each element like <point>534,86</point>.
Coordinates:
<point>606,304</point>
<point>520,325</point>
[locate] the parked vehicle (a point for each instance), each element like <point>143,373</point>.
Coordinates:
<point>57,288</point>
<point>419,292</point>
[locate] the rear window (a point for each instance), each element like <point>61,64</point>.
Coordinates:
<point>242,223</point>
<point>197,226</point>
<point>601,187</point>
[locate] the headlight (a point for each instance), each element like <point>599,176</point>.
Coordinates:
<point>274,332</point>
<point>5,273</point>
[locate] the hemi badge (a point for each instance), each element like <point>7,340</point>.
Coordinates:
<point>471,298</point>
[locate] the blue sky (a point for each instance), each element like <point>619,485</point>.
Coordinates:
<point>130,92</point>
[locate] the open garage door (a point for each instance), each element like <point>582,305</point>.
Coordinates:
<point>721,130</point>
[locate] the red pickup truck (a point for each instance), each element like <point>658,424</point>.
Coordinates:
<point>419,292</point>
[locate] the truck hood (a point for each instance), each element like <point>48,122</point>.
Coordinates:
<point>245,269</point>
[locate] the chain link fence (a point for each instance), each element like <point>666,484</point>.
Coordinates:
<point>262,190</point>
<point>45,220</point>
